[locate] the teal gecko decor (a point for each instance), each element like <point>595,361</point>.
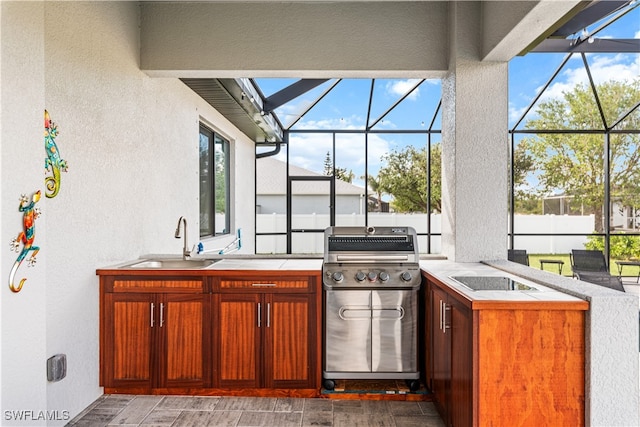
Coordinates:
<point>53,160</point>
<point>29,215</point>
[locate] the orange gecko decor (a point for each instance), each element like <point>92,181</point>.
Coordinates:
<point>27,236</point>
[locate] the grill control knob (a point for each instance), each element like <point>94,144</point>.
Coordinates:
<point>337,276</point>
<point>360,276</point>
<point>384,276</point>
<point>372,276</point>
<point>406,276</point>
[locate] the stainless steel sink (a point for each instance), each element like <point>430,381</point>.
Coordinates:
<point>172,264</point>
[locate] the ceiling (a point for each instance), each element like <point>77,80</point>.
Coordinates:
<point>242,102</point>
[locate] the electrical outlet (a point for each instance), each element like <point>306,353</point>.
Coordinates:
<point>57,367</point>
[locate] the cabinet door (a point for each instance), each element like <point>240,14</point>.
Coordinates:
<point>461,406</point>
<point>239,321</point>
<point>289,355</point>
<point>129,323</point>
<point>440,350</point>
<point>185,324</point>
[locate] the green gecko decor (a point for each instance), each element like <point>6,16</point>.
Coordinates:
<point>26,237</point>
<point>53,160</point>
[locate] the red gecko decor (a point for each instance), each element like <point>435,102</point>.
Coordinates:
<point>29,215</point>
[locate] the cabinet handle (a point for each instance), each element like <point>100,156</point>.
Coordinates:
<point>257,285</point>
<point>445,325</point>
<point>152,314</point>
<point>268,315</point>
<point>161,314</point>
<point>444,307</point>
<point>259,315</point>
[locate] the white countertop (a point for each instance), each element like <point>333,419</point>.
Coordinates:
<point>442,270</point>
<point>228,262</point>
<point>267,264</point>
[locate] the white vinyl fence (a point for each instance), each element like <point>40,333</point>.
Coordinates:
<point>313,243</point>
<point>543,224</point>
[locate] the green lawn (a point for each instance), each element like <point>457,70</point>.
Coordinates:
<point>534,261</point>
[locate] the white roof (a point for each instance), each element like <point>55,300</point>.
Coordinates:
<point>271,178</point>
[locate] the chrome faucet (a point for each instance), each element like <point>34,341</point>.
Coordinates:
<point>186,253</point>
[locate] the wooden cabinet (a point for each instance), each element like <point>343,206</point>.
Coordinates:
<point>220,333</point>
<point>505,362</point>
<point>451,347</point>
<point>155,334</point>
<point>266,333</point>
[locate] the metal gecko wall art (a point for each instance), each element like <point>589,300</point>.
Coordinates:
<point>53,160</point>
<point>29,215</point>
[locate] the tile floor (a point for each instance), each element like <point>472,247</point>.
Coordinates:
<point>197,411</point>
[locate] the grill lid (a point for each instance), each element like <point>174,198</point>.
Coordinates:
<point>370,244</point>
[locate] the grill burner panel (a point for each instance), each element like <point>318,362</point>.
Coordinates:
<point>372,258</point>
<point>376,244</point>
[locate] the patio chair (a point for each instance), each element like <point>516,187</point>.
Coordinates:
<point>601,278</point>
<point>588,260</point>
<point>518,255</point>
<point>591,266</point>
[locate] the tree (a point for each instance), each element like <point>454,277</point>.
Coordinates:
<point>341,173</point>
<point>328,165</point>
<point>526,199</point>
<point>405,178</point>
<point>345,175</point>
<point>573,163</point>
<point>376,188</point>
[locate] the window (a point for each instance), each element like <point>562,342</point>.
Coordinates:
<point>214,184</point>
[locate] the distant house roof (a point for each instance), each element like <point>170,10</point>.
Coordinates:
<point>271,179</point>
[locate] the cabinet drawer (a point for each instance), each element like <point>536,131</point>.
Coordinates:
<point>264,284</point>
<point>177,285</point>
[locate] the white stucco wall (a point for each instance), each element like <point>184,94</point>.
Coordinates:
<point>131,142</point>
<point>475,151</point>
<point>23,340</point>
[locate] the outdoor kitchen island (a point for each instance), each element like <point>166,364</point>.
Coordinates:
<point>253,326</point>
<point>499,347</point>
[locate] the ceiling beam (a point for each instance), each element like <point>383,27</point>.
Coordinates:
<point>594,12</point>
<point>290,92</point>
<point>510,28</point>
<point>595,46</point>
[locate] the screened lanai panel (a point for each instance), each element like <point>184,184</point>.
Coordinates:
<point>399,170</point>
<point>350,202</point>
<point>404,104</point>
<point>308,153</point>
<point>292,111</point>
<point>310,214</point>
<point>630,121</point>
<point>344,107</point>
<point>271,244</point>
<point>528,75</point>
<point>271,192</point>
<point>617,80</point>
<point>625,183</point>
<point>558,175</point>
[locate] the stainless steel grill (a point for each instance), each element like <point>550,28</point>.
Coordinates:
<point>371,278</point>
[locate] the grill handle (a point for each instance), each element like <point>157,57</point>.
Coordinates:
<point>372,258</point>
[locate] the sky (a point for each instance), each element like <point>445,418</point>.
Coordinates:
<point>345,107</point>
